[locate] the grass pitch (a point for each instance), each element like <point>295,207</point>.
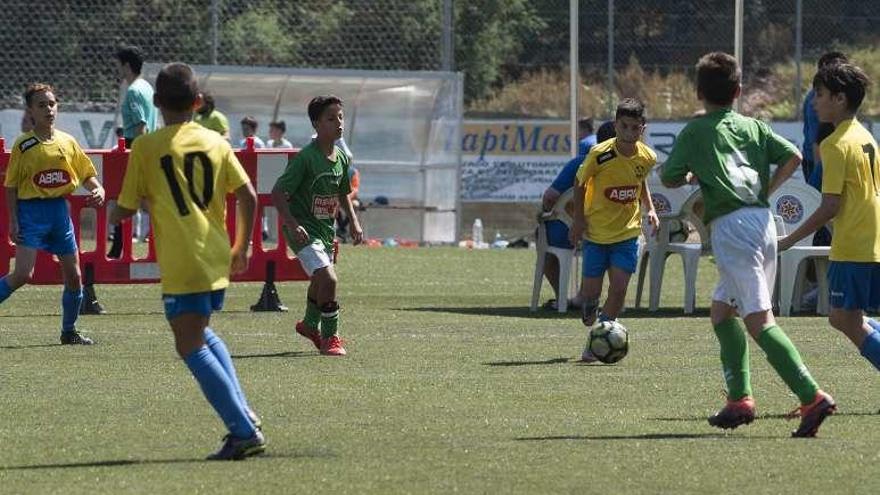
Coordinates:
<point>450,385</point>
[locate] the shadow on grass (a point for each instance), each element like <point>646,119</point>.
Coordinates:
<point>32,346</point>
<point>142,462</point>
<point>644,436</point>
<point>761,416</point>
<point>559,360</point>
<point>286,354</point>
<point>523,312</point>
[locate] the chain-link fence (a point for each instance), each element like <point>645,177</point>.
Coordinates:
<point>514,53</point>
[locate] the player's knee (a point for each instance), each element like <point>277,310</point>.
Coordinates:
<point>20,277</point>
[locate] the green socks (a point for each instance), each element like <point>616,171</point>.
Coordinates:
<point>786,360</point>
<point>329,319</point>
<point>731,335</point>
<point>313,315</point>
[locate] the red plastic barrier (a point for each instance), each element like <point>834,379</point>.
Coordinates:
<point>262,166</point>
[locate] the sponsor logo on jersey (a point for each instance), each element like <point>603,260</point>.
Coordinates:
<point>604,157</point>
<point>622,194</point>
<point>28,144</point>
<point>52,178</point>
<point>324,207</point>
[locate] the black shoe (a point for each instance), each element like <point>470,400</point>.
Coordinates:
<point>75,338</point>
<point>813,414</point>
<point>236,449</point>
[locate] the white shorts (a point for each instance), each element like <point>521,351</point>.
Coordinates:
<point>744,245</point>
<point>313,257</point>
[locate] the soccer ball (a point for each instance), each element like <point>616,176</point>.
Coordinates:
<point>609,341</point>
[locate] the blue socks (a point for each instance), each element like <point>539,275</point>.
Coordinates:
<point>70,303</point>
<point>219,391</point>
<point>871,346</point>
<point>219,350</point>
<point>5,289</point>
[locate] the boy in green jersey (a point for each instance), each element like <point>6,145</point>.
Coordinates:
<point>307,196</point>
<point>730,155</point>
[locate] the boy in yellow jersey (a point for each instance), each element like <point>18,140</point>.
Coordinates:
<point>850,197</point>
<point>184,172</point>
<point>730,155</point>
<point>610,197</point>
<point>45,166</point>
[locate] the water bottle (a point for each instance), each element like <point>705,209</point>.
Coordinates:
<point>477,233</point>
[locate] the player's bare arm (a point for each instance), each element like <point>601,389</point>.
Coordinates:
<point>579,222</point>
<point>12,209</point>
<point>826,211</point>
<point>357,233</point>
<point>281,200</point>
<point>246,201</point>
<point>96,190</point>
<point>119,214</point>
<point>648,207</point>
<point>784,172</point>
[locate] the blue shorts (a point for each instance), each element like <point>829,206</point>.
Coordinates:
<point>557,234</point>
<point>854,285</point>
<point>202,303</point>
<point>599,257</point>
<point>45,224</point>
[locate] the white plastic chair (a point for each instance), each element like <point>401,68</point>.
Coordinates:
<point>794,202</point>
<point>568,279</point>
<point>671,204</point>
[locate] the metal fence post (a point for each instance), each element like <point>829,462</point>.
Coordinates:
<point>798,56</point>
<point>447,62</point>
<point>610,89</point>
<point>215,30</point>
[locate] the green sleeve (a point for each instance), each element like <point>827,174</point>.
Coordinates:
<point>293,175</point>
<point>677,165</point>
<point>779,150</point>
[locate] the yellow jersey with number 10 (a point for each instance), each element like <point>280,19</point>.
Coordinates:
<point>184,172</point>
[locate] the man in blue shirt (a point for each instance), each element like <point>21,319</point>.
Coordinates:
<point>138,112</point>
<point>138,117</point>
<point>557,231</point>
<point>812,165</point>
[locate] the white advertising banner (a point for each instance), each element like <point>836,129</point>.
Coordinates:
<point>516,160</point>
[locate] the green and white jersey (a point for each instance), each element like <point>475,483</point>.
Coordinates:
<point>731,156</point>
<point>313,184</point>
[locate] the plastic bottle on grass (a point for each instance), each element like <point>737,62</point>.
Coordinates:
<point>477,234</point>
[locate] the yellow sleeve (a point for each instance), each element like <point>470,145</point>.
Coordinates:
<point>235,173</point>
<point>82,164</point>
<point>133,182</point>
<point>833,169</point>
<point>13,168</point>
<point>587,169</point>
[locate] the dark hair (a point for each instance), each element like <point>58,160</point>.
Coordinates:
<point>844,78</point>
<point>131,56</point>
<point>35,88</point>
<point>119,131</point>
<point>250,122</point>
<point>825,130</point>
<point>718,77</point>
<point>319,103</point>
<point>606,131</point>
<point>176,87</point>
<point>832,58</point>
<point>630,107</point>
<point>280,125</point>
<point>586,125</point>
